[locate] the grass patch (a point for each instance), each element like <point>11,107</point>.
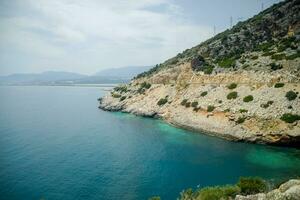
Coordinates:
<point>290,118</point>
<point>232,95</point>
<point>248,98</point>
<point>232,86</point>
<point>278,85</point>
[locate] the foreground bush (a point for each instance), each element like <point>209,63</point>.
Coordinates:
<point>251,185</point>
<point>290,118</point>
<point>216,193</point>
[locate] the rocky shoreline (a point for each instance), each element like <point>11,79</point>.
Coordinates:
<point>260,125</point>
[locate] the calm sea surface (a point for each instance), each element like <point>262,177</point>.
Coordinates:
<point>56,144</point>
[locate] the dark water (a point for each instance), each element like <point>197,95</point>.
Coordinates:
<point>56,144</point>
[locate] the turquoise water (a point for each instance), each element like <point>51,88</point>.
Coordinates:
<point>56,144</point>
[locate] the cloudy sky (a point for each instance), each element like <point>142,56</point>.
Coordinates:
<point>86,36</point>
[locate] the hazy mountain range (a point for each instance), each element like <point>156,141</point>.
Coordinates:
<point>113,75</point>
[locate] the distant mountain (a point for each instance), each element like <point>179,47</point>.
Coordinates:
<point>40,78</point>
<point>114,75</point>
<point>124,72</point>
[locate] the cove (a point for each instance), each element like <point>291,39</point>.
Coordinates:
<point>56,144</point>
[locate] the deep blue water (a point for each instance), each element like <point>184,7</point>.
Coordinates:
<point>56,144</point>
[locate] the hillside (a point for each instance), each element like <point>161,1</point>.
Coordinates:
<point>240,85</point>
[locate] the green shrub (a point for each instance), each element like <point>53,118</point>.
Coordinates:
<point>291,95</point>
<point>290,118</point>
<point>243,110</point>
<point>122,98</point>
<point>248,98</point>
<point>254,57</point>
<point>210,108</point>
<point>293,56</point>
<point>183,102</point>
<point>240,120</point>
<point>217,193</point>
<point>203,94</point>
<point>188,104</point>
<point>266,105</point>
<point>270,53</point>
<point>252,185</point>
<point>162,101</point>
<point>227,110</point>
<point>278,85</point>
<point>278,56</point>
<point>194,104</point>
<point>232,95</point>
<point>227,62</point>
<point>154,198</point>
<point>121,89</point>
<point>232,86</point>
<point>145,85</point>
<point>196,109</point>
<point>141,90</point>
<point>115,95</point>
<point>275,66</point>
<point>208,69</point>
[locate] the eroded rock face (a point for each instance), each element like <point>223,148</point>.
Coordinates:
<point>232,119</point>
<point>287,191</point>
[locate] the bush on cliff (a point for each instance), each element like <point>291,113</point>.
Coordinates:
<point>114,95</point>
<point>162,101</point>
<point>232,86</point>
<point>194,104</point>
<point>290,118</point>
<point>203,94</point>
<point>248,98</point>
<point>278,85</point>
<point>291,95</point>
<point>122,98</point>
<point>210,108</point>
<point>183,102</point>
<point>252,185</point>
<point>232,95</point>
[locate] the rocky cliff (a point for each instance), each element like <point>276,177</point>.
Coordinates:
<point>240,85</point>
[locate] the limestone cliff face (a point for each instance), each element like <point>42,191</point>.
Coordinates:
<point>248,96</point>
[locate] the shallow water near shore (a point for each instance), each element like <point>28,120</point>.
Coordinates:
<point>56,144</point>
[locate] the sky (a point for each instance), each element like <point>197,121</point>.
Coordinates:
<point>86,36</point>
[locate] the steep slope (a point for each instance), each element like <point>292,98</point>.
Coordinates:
<point>241,84</point>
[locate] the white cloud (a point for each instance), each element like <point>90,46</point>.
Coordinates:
<point>93,33</point>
